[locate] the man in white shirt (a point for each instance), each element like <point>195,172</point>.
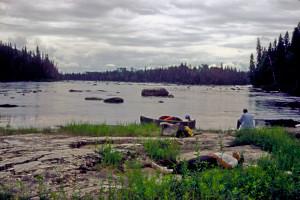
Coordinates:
<point>246,120</point>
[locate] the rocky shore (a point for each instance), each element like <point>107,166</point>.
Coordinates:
<point>72,160</point>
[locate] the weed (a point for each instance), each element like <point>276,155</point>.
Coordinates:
<point>108,156</point>
<point>43,193</point>
<point>162,149</point>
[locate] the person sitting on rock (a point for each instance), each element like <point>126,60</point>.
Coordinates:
<point>246,120</point>
<point>210,161</point>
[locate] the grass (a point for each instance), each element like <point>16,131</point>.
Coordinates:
<point>109,156</point>
<point>285,147</point>
<point>18,131</point>
<point>131,129</point>
<point>162,149</point>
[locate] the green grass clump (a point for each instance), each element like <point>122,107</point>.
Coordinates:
<point>109,156</point>
<point>162,149</point>
<point>239,183</point>
<point>285,147</point>
<point>19,131</point>
<point>132,129</point>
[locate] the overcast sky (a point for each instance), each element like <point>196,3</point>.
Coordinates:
<point>100,35</point>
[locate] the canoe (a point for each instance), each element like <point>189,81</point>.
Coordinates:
<point>190,123</point>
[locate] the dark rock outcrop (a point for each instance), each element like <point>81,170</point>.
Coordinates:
<point>94,98</point>
<point>8,106</point>
<point>276,122</point>
<point>75,90</point>
<point>114,100</point>
<point>155,92</point>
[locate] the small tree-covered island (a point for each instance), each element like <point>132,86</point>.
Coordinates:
<point>275,68</point>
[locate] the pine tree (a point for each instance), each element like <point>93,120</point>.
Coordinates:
<point>286,41</point>
<point>258,51</point>
<point>252,69</point>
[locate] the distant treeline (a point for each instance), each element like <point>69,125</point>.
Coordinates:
<point>182,74</point>
<point>278,67</point>
<point>21,65</point>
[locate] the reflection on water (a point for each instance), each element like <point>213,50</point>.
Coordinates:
<point>213,107</point>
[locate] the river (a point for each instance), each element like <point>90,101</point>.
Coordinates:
<point>48,104</point>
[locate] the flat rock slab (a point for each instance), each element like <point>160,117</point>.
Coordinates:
<point>59,157</point>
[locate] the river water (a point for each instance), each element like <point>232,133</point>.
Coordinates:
<point>44,104</point>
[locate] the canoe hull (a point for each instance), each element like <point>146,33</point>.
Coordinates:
<point>190,124</point>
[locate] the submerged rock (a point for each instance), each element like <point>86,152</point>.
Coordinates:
<point>276,122</point>
<point>8,106</point>
<point>75,90</point>
<point>114,100</point>
<point>94,98</point>
<point>155,92</point>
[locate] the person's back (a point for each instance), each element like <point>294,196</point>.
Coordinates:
<point>246,120</point>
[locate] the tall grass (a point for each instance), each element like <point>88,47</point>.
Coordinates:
<point>18,131</point>
<point>285,147</point>
<point>109,156</point>
<point>162,149</point>
<point>131,129</point>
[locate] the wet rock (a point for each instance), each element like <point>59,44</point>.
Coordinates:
<point>114,100</point>
<point>288,104</point>
<point>75,90</point>
<point>8,106</point>
<point>155,92</point>
<point>93,99</point>
<point>276,122</point>
<point>37,91</point>
<point>25,91</point>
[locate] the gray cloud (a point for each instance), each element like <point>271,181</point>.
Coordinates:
<point>97,35</point>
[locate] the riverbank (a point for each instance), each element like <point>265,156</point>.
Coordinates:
<point>65,163</point>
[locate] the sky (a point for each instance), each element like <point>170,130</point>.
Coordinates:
<point>100,35</point>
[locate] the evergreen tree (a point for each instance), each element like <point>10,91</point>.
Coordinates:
<point>20,65</point>
<point>258,51</point>
<point>252,69</point>
<point>279,66</point>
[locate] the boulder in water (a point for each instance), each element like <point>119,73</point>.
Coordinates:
<point>114,100</point>
<point>155,92</point>
<point>8,106</point>
<point>94,98</point>
<point>75,90</point>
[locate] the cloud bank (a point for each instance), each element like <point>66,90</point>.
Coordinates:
<point>99,35</point>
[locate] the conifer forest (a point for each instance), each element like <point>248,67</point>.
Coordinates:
<point>278,66</point>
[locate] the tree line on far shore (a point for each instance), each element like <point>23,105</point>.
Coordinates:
<point>278,67</point>
<point>23,65</point>
<point>275,68</point>
<point>182,74</point>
